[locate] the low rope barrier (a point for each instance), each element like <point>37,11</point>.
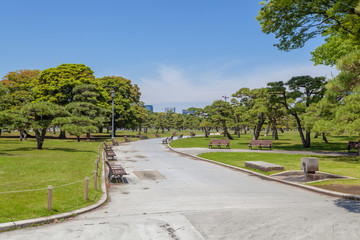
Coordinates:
<point>50,188</point>
<point>40,189</point>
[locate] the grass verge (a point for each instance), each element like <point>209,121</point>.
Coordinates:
<point>287,141</point>
<point>61,162</point>
<point>346,166</point>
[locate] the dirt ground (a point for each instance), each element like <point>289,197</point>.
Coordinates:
<point>349,189</point>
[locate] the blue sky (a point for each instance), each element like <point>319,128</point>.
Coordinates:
<point>180,53</point>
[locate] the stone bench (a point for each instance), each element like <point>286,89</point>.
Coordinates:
<point>264,166</point>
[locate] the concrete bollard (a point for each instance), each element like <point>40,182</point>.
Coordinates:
<point>86,188</point>
<point>50,198</point>
<point>95,180</point>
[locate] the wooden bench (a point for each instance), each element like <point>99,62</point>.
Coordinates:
<point>165,140</point>
<point>110,154</point>
<point>142,137</point>
<point>116,172</point>
<point>107,147</point>
<point>354,145</point>
<point>219,142</point>
<point>157,135</point>
<point>126,139</point>
<point>174,134</point>
<point>115,142</point>
<point>260,144</point>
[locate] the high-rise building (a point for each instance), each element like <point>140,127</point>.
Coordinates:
<point>149,107</point>
<point>185,112</point>
<point>170,109</point>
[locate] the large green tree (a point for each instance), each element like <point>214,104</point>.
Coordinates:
<point>221,112</point>
<point>39,117</point>
<point>294,22</point>
<point>255,107</point>
<point>303,91</point>
<point>126,102</point>
<point>19,85</point>
<point>56,84</point>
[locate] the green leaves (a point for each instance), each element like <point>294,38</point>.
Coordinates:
<point>294,22</point>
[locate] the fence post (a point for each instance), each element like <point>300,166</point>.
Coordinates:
<point>49,197</point>
<point>86,188</point>
<point>95,179</point>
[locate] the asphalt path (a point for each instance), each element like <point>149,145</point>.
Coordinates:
<point>172,196</point>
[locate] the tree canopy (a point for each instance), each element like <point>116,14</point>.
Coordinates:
<point>294,22</point>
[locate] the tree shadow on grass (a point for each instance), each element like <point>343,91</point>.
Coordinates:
<point>344,159</point>
<point>349,205</point>
<point>25,149</point>
<point>69,150</point>
<point>331,147</point>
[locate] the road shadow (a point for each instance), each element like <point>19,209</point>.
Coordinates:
<point>349,205</point>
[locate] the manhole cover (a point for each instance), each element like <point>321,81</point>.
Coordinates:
<point>149,175</point>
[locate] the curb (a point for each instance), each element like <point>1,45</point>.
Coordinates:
<point>30,222</point>
<point>307,187</point>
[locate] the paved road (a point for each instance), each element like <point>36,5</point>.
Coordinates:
<point>177,197</point>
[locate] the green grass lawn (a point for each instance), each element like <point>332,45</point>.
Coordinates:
<point>346,166</point>
<point>287,141</point>
<point>22,167</point>
<point>151,133</point>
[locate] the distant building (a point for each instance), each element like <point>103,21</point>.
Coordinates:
<point>185,112</point>
<point>149,107</point>
<point>170,109</point>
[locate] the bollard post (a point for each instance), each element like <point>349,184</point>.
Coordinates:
<point>49,198</point>
<point>86,188</point>
<point>95,180</point>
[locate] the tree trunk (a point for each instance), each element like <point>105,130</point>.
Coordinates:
<point>316,135</point>
<point>238,131</point>
<point>226,133</point>
<point>300,130</point>
<point>78,138</point>
<point>27,134</point>
<point>101,128</point>
<point>206,132</point>
<point>40,137</point>
<point>281,130</point>
<point>140,129</point>
<point>62,134</point>
<point>274,130</point>
<point>308,139</point>
<point>0,131</point>
<point>267,131</point>
<point>87,136</point>
<point>324,138</point>
<point>259,126</point>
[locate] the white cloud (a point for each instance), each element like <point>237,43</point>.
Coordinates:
<point>185,85</point>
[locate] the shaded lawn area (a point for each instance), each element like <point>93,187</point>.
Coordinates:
<point>288,141</point>
<point>346,166</point>
<point>22,167</point>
